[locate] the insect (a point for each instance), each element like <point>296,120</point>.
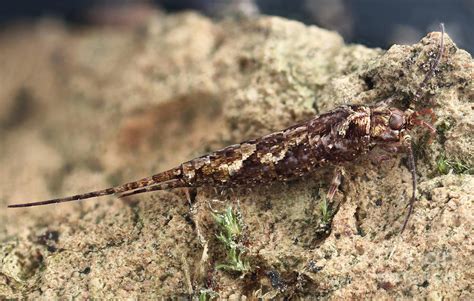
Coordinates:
<point>336,137</point>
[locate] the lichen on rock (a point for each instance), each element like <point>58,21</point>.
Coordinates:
<point>102,106</point>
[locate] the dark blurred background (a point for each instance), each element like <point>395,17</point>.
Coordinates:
<point>375,23</point>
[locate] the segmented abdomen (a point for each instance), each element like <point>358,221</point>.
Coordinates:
<point>283,155</point>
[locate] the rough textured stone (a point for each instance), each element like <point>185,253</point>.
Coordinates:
<point>82,110</point>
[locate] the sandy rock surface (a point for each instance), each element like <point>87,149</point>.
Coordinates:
<point>83,109</point>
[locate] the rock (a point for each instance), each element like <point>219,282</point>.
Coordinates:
<point>81,110</point>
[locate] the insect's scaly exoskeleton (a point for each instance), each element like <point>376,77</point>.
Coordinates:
<point>338,136</point>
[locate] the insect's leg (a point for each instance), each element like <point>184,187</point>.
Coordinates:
<point>411,161</point>
<point>336,181</point>
<point>425,111</point>
<point>188,196</point>
<point>429,126</point>
<point>190,193</point>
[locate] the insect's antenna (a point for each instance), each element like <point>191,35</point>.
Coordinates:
<point>411,160</point>
<point>433,66</point>
<point>156,179</point>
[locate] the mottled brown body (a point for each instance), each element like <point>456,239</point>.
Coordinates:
<point>338,136</point>
<point>285,155</point>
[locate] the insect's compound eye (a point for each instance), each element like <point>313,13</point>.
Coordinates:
<point>396,121</point>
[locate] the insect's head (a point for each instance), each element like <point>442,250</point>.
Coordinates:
<point>388,124</point>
